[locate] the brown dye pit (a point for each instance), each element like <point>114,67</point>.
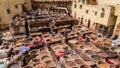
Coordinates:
<point>104,55</point>
<point>89,52</point>
<point>112,54</point>
<point>85,57</point>
<point>13,65</point>
<point>19,40</point>
<point>69,52</point>
<point>70,63</point>
<point>46,35</point>
<point>79,61</point>
<point>6,44</point>
<point>62,44</point>
<point>46,58</point>
<point>84,66</point>
<point>34,52</point>
<point>36,60</point>
<point>78,44</point>
<point>67,57</point>
<point>96,57</point>
<point>43,50</point>
<point>48,40</point>
<point>44,53</point>
<point>50,64</point>
<point>74,56</point>
<point>107,45</point>
<point>96,50</point>
<point>58,48</point>
<point>27,67</point>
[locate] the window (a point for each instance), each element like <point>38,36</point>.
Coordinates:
<point>80,6</point>
<point>8,11</point>
<point>75,5</point>
<point>103,10</point>
<point>25,2</point>
<point>87,11</point>
<point>112,15</point>
<point>102,14</point>
<point>95,12</point>
<point>16,6</point>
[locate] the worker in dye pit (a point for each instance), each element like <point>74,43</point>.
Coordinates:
<point>62,61</point>
<point>37,41</point>
<point>80,39</point>
<point>9,49</point>
<point>52,25</point>
<point>24,49</point>
<point>59,53</point>
<point>66,51</point>
<point>65,35</point>
<point>109,61</point>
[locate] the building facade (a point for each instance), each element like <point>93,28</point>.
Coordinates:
<point>98,17</point>
<point>9,8</point>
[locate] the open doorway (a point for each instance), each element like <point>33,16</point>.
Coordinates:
<point>81,21</point>
<point>88,23</point>
<point>24,8</point>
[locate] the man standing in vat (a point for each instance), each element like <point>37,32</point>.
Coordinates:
<point>65,35</point>
<point>52,24</point>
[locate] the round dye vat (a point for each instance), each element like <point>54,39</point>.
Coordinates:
<point>96,57</point>
<point>70,63</point>
<point>46,58</point>
<point>79,61</point>
<point>75,56</point>
<point>89,52</point>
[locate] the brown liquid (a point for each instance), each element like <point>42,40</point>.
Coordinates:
<point>74,56</point>
<point>89,52</point>
<point>84,57</point>
<point>79,61</point>
<point>103,55</point>
<point>62,44</point>
<point>70,63</point>
<point>84,66</point>
<point>95,57</point>
<point>13,65</point>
